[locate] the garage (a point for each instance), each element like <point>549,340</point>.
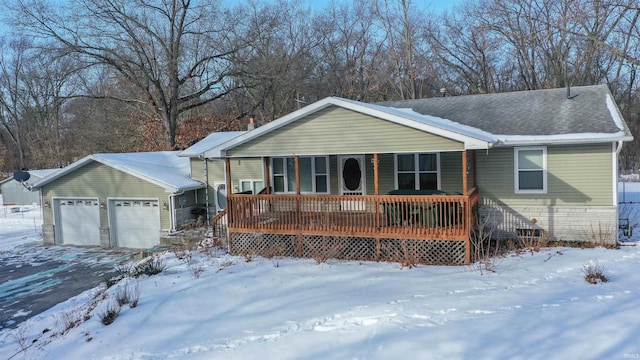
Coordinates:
<point>78,221</point>
<point>135,223</point>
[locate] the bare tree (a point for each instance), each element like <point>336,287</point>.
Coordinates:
<point>175,52</point>
<point>279,59</point>
<point>350,52</point>
<point>399,20</point>
<point>468,52</point>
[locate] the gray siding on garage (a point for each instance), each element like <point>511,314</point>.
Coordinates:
<point>101,181</point>
<point>14,193</point>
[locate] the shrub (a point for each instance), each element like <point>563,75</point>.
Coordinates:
<point>195,266</point>
<point>109,315</point>
<point>594,273</point>
<point>128,294</point>
<point>150,267</point>
<point>110,281</point>
<point>68,319</point>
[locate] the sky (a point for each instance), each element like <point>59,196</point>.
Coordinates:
<point>437,6</point>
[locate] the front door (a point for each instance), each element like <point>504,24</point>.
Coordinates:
<point>352,176</point>
<point>352,180</point>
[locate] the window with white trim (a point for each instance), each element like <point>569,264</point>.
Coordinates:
<point>530,169</point>
<point>314,174</point>
<point>253,185</point>
<point>417,171</point>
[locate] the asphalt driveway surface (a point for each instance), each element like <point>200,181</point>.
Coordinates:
<point>34,278</point>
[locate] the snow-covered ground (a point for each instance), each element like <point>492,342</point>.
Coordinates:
<point>532,306</point>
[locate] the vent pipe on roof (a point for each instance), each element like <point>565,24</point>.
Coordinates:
<point>443,91</point>
<point>568,91</point>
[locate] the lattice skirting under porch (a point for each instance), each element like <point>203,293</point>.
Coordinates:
<point>443,252</point>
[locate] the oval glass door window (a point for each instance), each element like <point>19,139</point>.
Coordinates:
<point>351,174</point>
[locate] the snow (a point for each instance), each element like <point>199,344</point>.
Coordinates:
<point>212,140</point>
<point>615,113</point>
<point>531,306</point>
<point>163,168</point>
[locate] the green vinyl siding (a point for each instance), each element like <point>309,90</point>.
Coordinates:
<point>240,169</point>
<point>336,130</point>
<point>451,172</point>
<point>576,175</point>
<point>96,180</point>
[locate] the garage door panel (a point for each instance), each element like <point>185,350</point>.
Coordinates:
<point>79,221</point>
<point>137,223</point>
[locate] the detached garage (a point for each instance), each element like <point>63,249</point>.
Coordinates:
<point>124,200</point>
<point>15,193</point>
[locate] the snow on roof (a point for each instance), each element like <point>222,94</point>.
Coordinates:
<point>549,115</point>
<point>209,142</point>
<point>615,113</point>
<point>35,175</point>
<point>438,122</point>
<point>163,168</point>
<point>43,172</point>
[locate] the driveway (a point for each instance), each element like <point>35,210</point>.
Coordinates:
<point>34,278</point>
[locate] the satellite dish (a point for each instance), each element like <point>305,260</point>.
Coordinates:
<point>21,176</point>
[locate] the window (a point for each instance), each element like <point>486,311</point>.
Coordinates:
<point>417,171</point>
<point>531,170</point>
<point>253,185</point>
<point>314,174</point>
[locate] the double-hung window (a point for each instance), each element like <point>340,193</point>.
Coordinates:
<point>417,171</point>
<point>314,174</point>
<point>530,170</point>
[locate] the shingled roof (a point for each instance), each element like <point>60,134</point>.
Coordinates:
<point>527,113</point>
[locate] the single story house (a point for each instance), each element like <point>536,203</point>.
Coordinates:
<point>126,200</point>
<point>410,178</point>
<point>15,193</point>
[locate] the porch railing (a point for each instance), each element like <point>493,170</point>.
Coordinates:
<point>437,217</point>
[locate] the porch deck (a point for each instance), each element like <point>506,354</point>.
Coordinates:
<point>420,219</point>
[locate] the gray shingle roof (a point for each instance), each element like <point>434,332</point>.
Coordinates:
<point>535,112</point>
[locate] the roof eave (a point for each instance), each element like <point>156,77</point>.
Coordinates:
<point>564,141</point>
<point>58,174</point>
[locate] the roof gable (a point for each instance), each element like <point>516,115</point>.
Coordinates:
<point>471,138</point>
<point>163,168</point>
<point>336,130</point>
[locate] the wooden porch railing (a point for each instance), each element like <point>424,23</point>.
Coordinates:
<point>218,223</point>
<point>437,217</point>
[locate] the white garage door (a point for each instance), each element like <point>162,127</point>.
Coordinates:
<point>78,221</point>
<point>136,222</point>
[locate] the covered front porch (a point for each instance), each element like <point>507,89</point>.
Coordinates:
<point>408,226</point>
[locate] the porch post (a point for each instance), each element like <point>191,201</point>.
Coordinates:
<point>465,187</point>
<point>377,192</point>
<point>298,215</point>
<point>375,173</point>
<point>473,167</point>
<point>267,174</point>
<point>227,169</point>
<point>297,161</point>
